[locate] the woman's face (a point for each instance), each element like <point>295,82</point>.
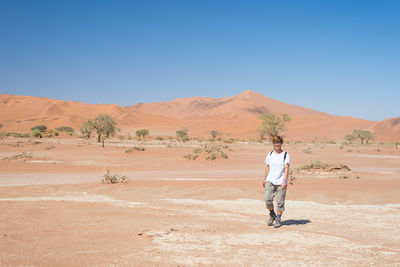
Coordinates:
<point>278,146</point>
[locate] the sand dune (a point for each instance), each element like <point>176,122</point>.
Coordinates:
<point>236,116</point>
<point>20,113</point>
<point>387,129</point>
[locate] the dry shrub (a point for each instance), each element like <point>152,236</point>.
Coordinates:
<point>113,179</point>
<point>210,152</point>
<point>22,156</point>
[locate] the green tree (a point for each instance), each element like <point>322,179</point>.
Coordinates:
<point>142,132</point>
<point>350,138</point>
<point>182,133</point>
<point>41,128</point>
<point>273,125</point>
<point>102,125</point>
<point>363,135</point>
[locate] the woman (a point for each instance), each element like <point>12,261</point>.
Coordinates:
<point>276,181</point>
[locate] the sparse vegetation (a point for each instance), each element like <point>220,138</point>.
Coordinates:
<point>113,179</point>
<point>183,134</point>
<point>229,140</point>
<point>315,164</point>
<point>36,133</point>
<point>104,126</point>
<point>191,156</point>
<point>137,148</point>
<point>65,129</point>
<point>50,133</point>
<point>210,152</point>
<point>49,147</point>
<point>142,133</point>
<point>22,156</point>
<point>41,128</point>
<point>350,138</point>
<point>363,135</point>
<point>273,125</point>
<point>214,134</point>
<point>307,151</point>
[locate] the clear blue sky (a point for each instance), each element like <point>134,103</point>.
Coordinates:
<point>340,57</point>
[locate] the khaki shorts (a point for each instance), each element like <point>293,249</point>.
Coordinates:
<point>270,191</point>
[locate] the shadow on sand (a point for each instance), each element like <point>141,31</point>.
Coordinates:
<point>295,222</point>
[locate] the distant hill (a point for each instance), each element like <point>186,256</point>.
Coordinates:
<point>236,116</point>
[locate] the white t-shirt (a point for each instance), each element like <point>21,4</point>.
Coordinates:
<point>276,166</point>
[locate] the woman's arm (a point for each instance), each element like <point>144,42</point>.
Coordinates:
<point>285,178</point>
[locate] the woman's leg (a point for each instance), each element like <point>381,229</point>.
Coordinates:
<point>269,194</point>
<point>280,204</point>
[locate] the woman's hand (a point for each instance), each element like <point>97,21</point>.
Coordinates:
<point>264,184</point>
<point>284,184</point>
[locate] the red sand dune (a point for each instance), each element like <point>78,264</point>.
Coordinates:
<point>236,116</point>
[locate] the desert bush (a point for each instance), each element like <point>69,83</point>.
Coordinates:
<point>273,125</point>
<point>142,133</point>
<point>41,128</point>
<point>182,133</point>
<point>191,156</point>
<point>331,142</point>
<point>65,129</point>
<point>86,129</point>
<point>214,134</point>
<point>21,156</point>
<point>49,147</point>
<point>50,133</point>
<point>1,125</point>
<point>121,137</point>
<point>350,138</point>
<point>137,148</point>
<point>197,150</point>
<point>315,165</point>
<point>36,133</point>
<point>212,152</point>
<point>113,179</point>
<point>159,138</point>
<point>229,141</point>
<point>211,156</point>
<point>307,151</point>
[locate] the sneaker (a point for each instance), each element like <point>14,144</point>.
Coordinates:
<point>271,219</point>
<point>277,223</point>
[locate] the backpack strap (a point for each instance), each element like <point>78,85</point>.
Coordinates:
<point>270,153</point>
<point>284,157</point>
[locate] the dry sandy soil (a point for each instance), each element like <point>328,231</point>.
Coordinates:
<point>179,212</point>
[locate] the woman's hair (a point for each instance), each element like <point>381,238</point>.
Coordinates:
<point>277,139</point>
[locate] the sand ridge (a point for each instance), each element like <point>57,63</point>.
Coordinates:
<point>234,116</point>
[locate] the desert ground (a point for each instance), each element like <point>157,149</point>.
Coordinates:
<point>174,211</point>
